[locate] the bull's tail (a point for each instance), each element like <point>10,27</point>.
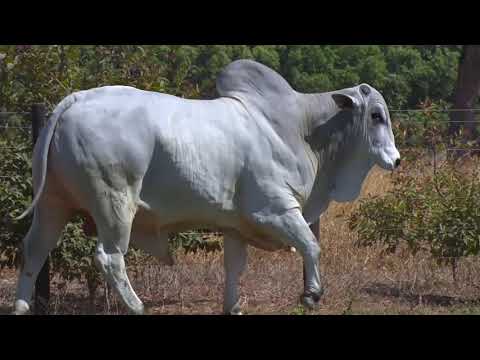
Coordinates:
<point>42,147</point>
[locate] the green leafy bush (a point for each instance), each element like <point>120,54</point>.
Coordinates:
<point>406,75</point>
<point>422,127</point>
<point>436,212</point>
<point>193,241</point>
<point>15,189</point>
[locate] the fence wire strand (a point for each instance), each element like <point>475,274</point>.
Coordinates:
<point>14,127</point>
<point>14,113</point>
<point>8,148</point>
<point>434,110</point>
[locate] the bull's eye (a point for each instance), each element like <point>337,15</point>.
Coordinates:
<point>377,117</point>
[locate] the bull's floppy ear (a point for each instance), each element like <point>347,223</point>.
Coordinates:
<point>345,102</point>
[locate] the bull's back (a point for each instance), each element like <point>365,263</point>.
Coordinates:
<point>187,154</point>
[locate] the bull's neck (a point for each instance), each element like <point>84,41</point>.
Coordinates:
<point>334,140</point>
<point>319,109</point>
<point>329,154</point>
<point>343,131</point>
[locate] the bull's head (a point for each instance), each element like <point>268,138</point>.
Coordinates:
<point>370,111</point>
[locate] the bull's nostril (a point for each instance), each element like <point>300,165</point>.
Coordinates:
<point>397,163</point>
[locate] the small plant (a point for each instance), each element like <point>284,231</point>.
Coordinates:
<point>193,241</point>
<point>436,212</point>
<point>299,310</point>
<point>421,127</point>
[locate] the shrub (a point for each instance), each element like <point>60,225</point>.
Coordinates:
<point>193,241</point>
<point>15,190</point>
<point>436,212</point>
<point>422,127</point>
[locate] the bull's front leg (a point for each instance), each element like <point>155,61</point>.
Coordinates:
<point>291,228</point>
<point>315,228</point>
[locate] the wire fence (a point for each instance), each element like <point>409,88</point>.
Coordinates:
<point>436,110</point>
<point>17,122</point>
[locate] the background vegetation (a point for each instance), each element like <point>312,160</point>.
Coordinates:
<point>406,75</point>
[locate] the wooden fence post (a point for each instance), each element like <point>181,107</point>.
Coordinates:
<point>42,285</point>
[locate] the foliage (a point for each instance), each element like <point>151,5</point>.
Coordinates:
<point>435,212</point>
<point>193,241</point>
<point>15,190</point>
<point>420,128</point>
<point>415,74</point>
<point>407,75</point>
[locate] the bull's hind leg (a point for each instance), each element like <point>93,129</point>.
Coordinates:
<point>235,261</point>
<point>49,219</point>
<point>148,237</point>
<point>114,217</point>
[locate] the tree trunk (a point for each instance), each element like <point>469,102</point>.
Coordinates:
<point>466,92</point>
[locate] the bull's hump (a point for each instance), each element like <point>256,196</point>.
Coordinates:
<point>247,78</point>
<point>266,95</point>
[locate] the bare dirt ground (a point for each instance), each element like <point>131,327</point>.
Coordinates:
<point>357,280</point>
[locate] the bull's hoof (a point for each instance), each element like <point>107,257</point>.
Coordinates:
<point>232,313</point>
<point>21,308</point>
<point>138,310</point>
<point>235,310</point>
<point>311,300</point>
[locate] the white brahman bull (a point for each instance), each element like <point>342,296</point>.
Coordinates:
<point>260,163</point>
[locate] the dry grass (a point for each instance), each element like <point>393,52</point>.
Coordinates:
<point>357,280</point>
